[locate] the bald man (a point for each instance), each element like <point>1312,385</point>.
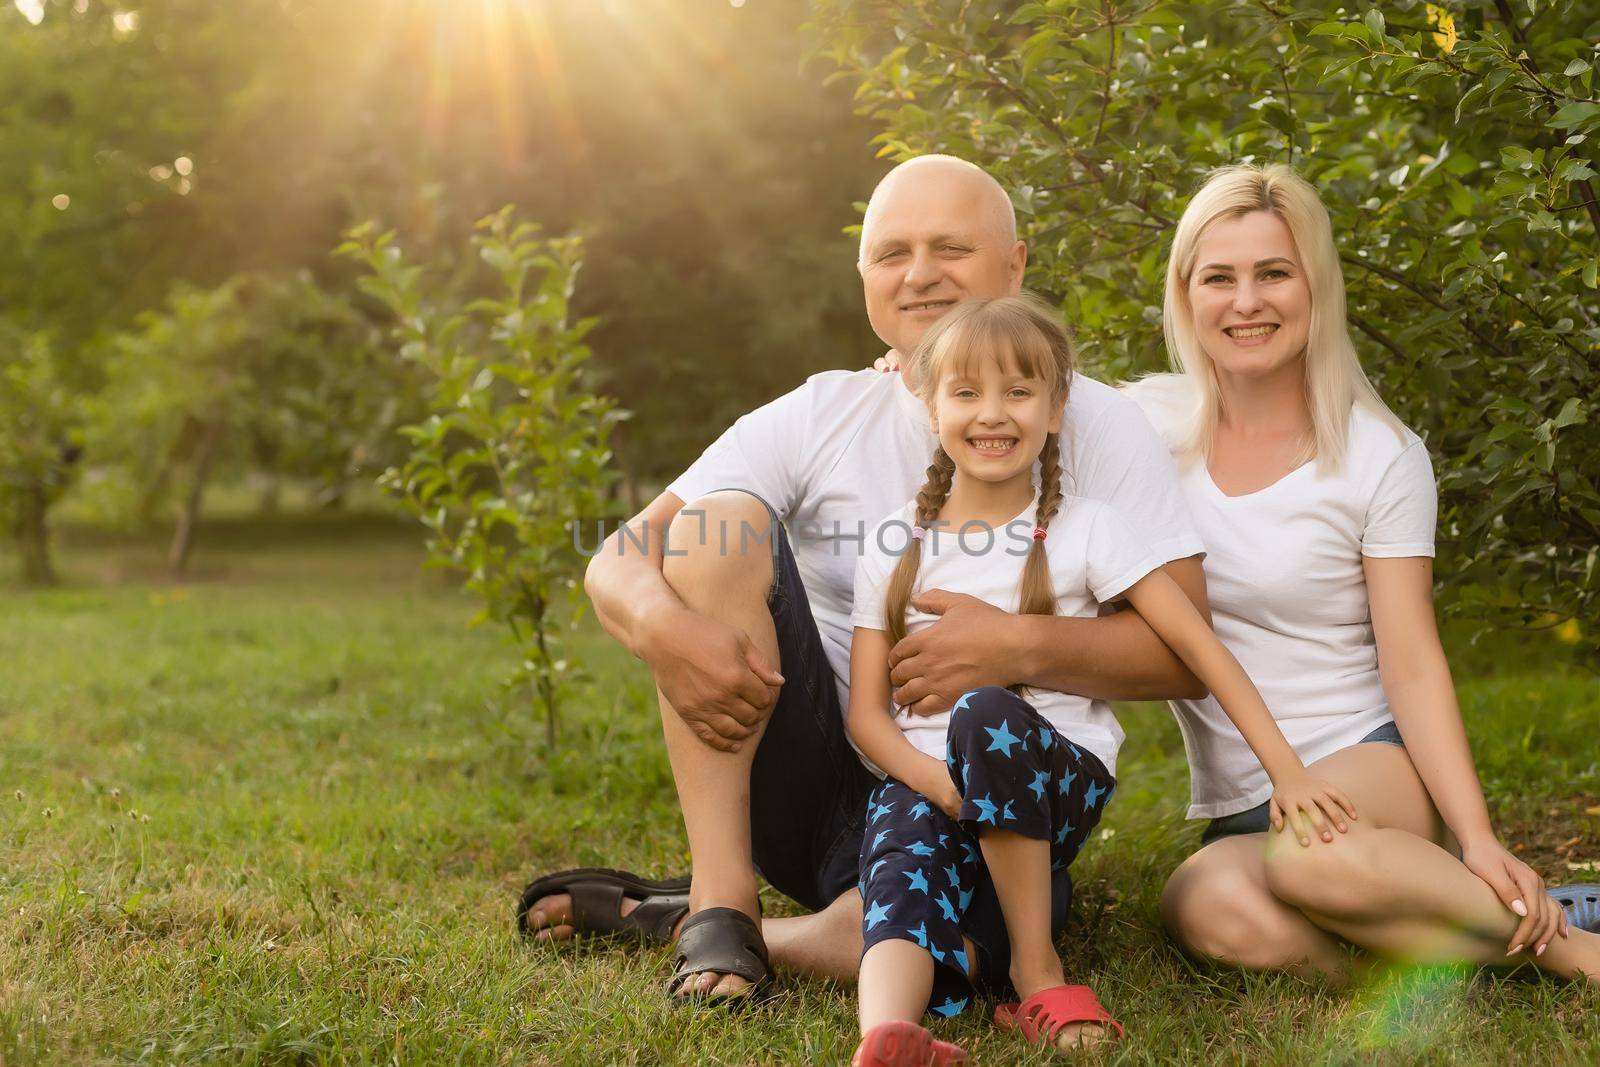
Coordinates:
<point>735,586</point>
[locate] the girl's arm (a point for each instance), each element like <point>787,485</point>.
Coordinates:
<point>1171,614</point>
<point>1417,682</point>
<point>875,732</point>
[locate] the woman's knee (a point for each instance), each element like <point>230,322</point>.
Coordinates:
<point>1326,877</point>
<point>1224,915</point>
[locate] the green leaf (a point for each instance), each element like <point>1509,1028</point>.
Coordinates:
<point>1575,115</point>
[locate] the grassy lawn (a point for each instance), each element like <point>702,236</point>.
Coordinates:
<point>280,813</point>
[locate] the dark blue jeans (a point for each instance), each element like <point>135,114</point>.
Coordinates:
<point>808,788</point>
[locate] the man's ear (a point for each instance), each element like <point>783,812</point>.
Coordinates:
<point>1018,265</point>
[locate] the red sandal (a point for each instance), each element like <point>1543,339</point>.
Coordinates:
<point>903,1044</point>
<point>1039,1018</point>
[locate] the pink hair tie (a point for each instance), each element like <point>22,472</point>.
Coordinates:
<point>1039,533</point>
<point>918,533</point>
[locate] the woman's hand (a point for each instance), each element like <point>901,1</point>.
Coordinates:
<point>1521,889</point>
<point>1307,802</point>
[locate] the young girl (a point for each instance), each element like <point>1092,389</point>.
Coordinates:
<point>985,801</point>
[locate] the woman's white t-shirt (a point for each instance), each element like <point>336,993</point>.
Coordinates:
<point>1094,556</point>
<point>1289,595</point>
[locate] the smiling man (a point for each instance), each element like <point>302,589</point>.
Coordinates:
<point>745,621</point>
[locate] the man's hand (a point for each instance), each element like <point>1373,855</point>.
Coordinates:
<point>963,650</point>
<point>718,682</point>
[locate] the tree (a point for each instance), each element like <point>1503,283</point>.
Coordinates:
<point>513,454</point>
<point>1454,146</point>
<point>40,442</point>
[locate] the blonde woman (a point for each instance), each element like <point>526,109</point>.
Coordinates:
<point>1317,510</point>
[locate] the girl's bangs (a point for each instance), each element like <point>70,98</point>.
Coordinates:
<point>1016,342</point>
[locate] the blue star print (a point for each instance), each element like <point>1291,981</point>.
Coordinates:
<point>951,1007</point>
<point>1037,785</point>
<point>876,841</point>
<point>948,908</point>
<point>1066,829</point>
<point>1066,782</point>
<point>918,881</point>
<point>1002,739</point>
<point>960,956</point>
<point>986,810</point>
<point>954,875</point>
<point>966,898</point>
<point>1045,737</point>
<point>919,848</point>
<point>879,912</point>
<point>873,873</point>
<point>920,810</point>
<point>1008,813</point>
<point>1092,797</point>
<point>921,934</point>
<point>962,703</point>
<point>881,810</point>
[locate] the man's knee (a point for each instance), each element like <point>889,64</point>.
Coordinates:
<point>1222,915</point>
<point>720,545</point>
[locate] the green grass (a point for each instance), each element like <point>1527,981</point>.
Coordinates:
<point>280,814</point>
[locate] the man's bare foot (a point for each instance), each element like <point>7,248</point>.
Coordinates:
<point>550,918</point>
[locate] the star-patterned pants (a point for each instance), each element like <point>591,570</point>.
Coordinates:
<point>920,868</point>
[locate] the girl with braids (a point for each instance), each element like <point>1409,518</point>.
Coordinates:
<point>983,807</point>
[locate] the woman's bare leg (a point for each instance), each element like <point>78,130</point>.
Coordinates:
<point>1218,907</point>
<point>1391,886</point>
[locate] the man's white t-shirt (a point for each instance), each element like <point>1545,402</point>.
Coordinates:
<point>836,455</point>
<point>1289,596</point>
<point>1094,556</point>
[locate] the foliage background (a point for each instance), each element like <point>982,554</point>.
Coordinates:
<point>1455,146</point>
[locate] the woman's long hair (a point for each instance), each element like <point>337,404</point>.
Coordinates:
<point>1334,378</point>
<point>1021,331</point>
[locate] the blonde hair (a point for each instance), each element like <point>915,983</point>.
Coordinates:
<point>1333,374</point>
<point>1021,330</point>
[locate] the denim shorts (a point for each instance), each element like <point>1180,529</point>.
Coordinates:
<point>808,788</point>
<point>1258,820</point>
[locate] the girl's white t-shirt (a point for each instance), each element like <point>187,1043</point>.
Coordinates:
<point>1289,595</point>
<point>1094,556</point>
<point>836,455</point>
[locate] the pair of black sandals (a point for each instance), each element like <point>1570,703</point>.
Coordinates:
<point>719,940</point>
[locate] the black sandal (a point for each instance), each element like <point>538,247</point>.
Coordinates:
<point>724,941</point>
<point>597,894</point>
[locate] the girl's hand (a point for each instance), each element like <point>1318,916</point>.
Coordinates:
<point>947,798</point>
<point>935,784</point>
<point>1308,803</point>
<point>1521,889</point>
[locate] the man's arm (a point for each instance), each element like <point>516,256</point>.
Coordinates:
<point>624,579</point>
<point>710,673</point>
<point>1113,657</point>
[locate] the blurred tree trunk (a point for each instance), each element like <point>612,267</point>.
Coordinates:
<point>189,517</point>
<point>271,495</point>
<point>33,538</point>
